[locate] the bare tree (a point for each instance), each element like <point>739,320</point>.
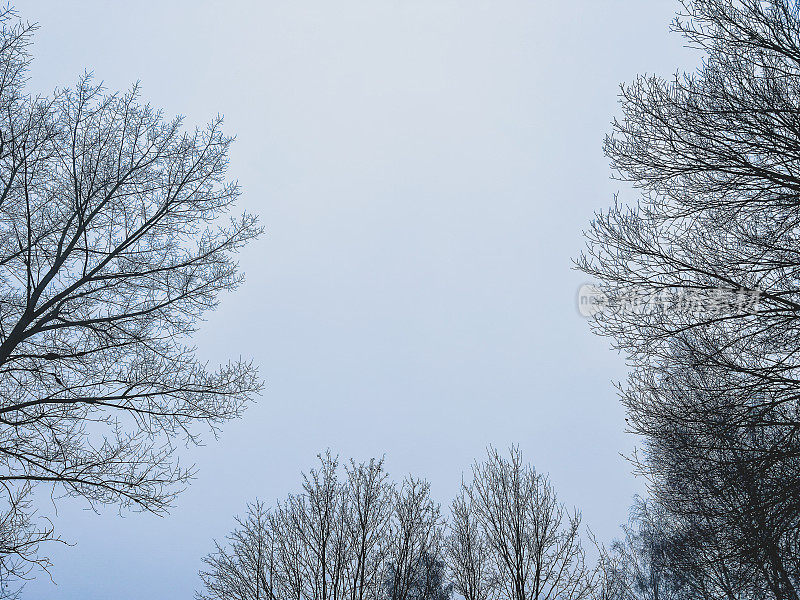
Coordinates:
<point>246,567</point>
<point>610,583</point>
<point>318,517</point>
<point>534,541</point>
<point>735,501</point>
<point>664,555</point>
<point>715,155</point>
<point>467,552</point>
<point>415,539</point>
<point>714,390</point>
<point>641,563</point>
<point>110,252</point>
<point>329,542</point>
<point>369,500</point>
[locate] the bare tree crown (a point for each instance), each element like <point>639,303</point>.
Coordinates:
<point>714,393</point>
<point>111,250</point>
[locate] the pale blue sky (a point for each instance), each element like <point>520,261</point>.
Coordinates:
<point>424,169</point>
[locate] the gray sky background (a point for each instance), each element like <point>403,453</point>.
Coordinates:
<point>424,169</point>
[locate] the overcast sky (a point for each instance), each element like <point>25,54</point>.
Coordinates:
<point>424,169</point>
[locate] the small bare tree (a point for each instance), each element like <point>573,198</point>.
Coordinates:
<point>328,542</point>
<point>246,567</point>
<point>467,552</point>
<point>415,539</point>
<point>369,501</point>
<point>534,542</point>
<point>317,518</point>
<point>641,565</point>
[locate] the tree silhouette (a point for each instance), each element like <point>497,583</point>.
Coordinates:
<point>716,379</point>
<point>525,545</point>
<point>111,250</point>
<point>328,542</point>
